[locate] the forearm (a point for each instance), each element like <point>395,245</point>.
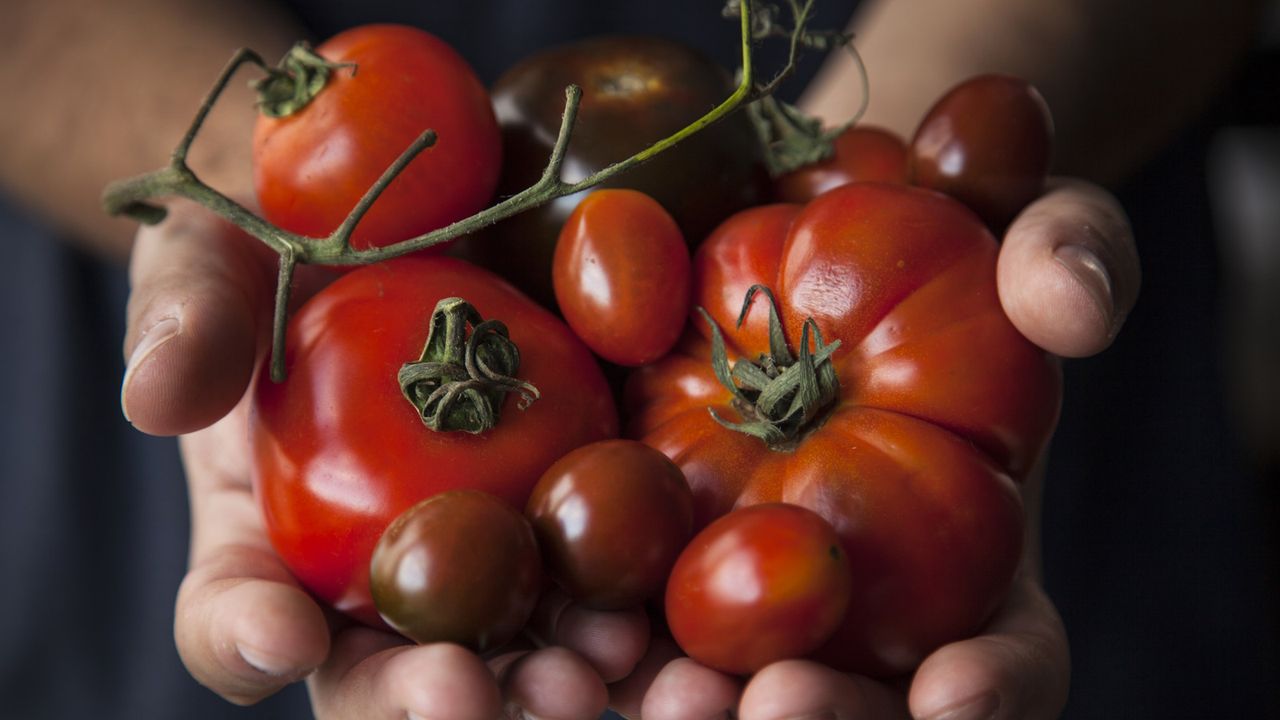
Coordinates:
<point>99,90</point>
<point>1121,77</point>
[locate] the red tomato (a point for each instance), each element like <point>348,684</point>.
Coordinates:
<point>761,584</point>
<point>924,415</point>
<point>338,450</point>
<point>312,167</point>
<point>611,517</point>
<point>621,276</point>
<point>986,143</point>
<point>460,567</point>
<point>862,154</point>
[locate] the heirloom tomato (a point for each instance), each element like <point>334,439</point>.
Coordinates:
<point>764,583</point>
<point>892,396</point>
<point>635,91</point>
<point>339,450</point>
<point>311,167</point>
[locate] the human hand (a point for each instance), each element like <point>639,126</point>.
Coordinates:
<point>1068,275</point>
<point>198,321</point>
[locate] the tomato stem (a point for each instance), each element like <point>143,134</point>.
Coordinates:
<point>133,196</point>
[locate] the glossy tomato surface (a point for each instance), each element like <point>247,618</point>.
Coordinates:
<point>764,583</point>
<point>635,91</point>
<point>987,143</point>
<point>861,154</point>
<point>312,167</point>
<point>611,517</point>
<point>338,450</point>
<point>941,406</point>
<point>460,567</point>
<point>621,276</point>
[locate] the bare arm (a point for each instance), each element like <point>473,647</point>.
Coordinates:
<point>94,91</point>
<point>1120,76</point>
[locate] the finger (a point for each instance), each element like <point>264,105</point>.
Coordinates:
<point>627,695</point>
<point>802,688</point>
<point>374,675</point>
<point>1019,668</point>
<point>553,682</point>
<point>199,292</point>
<point>612,642</point>
<point>685,689</point>
<point>1068,272</point>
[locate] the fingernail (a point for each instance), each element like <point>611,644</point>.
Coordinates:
<point>265,663</point>
<point>154,337</point>
<point>980,707</point>
<point>1088,269</point>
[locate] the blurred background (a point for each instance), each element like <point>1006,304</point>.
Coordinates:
<point>1160,530</point>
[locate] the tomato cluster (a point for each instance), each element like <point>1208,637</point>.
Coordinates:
<point>829,411</point>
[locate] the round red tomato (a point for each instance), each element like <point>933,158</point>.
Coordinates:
<point>310,168</point>
<point>611,517</point>
<point>621,276</point>
<point>987,143</point>
<point>764,583</point>
<point>924,405</point>
<point>460,567</point>
<point>339,450</point>
<point>862,154</point>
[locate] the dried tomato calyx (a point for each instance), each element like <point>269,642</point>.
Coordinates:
<point>462,378</point>
<point>299,77</point>
<point>781,396</point>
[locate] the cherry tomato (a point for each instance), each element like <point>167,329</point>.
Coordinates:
<point>635,92</point>
<point>338,450</point>
<point>621,276</point>
<point>986,143</point>
<point>938,405</point>
<point>862,153</point>
<point>312,167</point>
<point>762,584</point>
<point>459,567</point>
<point>611,517</point>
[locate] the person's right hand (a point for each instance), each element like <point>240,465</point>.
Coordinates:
<point>198,322</point>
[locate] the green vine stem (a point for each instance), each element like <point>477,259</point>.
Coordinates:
<point>133,196</point>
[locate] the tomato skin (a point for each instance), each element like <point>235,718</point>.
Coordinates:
<point>461,567</point>
<point>338,452</point>
<point>611,517</point>
<point>764,583</point>
<point>636,90</point>
<point>621,276</point>
<point>942,407</point>
<point>863,153</point>
<point>987,143</point>
<point>311,168</point>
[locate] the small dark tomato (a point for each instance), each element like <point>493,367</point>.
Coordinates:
<point>635,91</point>
<point>761,584</point>
<point>987,143</point>
<point>621,276</point>
<point>862,153</point>
<point>611,518</point>
<point>461,566</point>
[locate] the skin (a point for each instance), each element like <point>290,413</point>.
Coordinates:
<point>1116,102</point>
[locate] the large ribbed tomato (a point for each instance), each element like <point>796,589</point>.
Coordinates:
<point>339,449</point>
<point>923,409</point>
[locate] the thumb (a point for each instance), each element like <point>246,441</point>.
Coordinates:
<point>1068,273</point>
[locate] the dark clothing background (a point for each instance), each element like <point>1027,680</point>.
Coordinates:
<point>1157,549</point>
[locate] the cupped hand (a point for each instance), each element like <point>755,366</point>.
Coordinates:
<point>198,323</point>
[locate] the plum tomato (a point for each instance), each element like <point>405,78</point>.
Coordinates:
<point>636,90</point>
<point>621,276</point>
<point>611,517</point>
<point>461,567</point>
<point>761,584</point>
<point>987,143</point>
<point>311,167</point>
<point>862,154</point>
